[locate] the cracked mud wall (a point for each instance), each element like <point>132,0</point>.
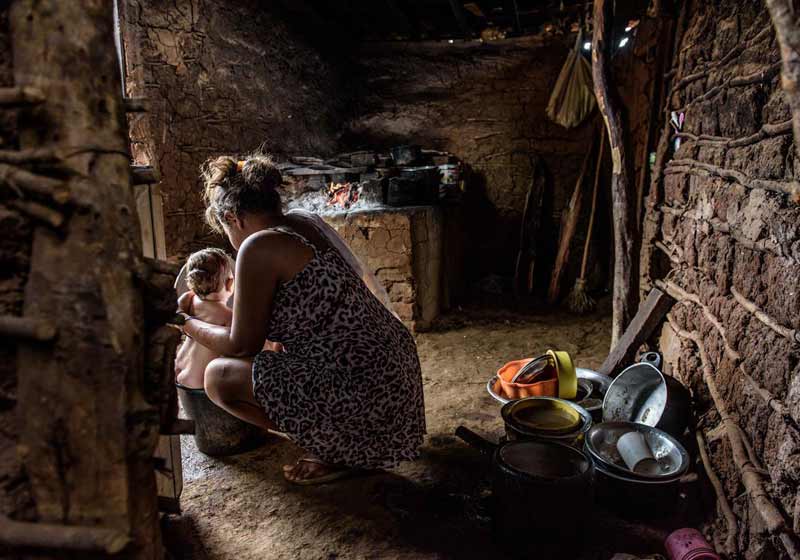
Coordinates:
<point>485,103</point>
<point>403,248</point>
<point>223,78</point>
<point>735,235</point>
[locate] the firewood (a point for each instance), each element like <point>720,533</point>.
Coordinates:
<point>719,490</point>
<point>18,534</point>
<point>26,328</point>
<point>625,295</point>
<point>20,97</point>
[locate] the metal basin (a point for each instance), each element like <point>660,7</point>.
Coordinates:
<point>587,380</point>
<point>642,394</point>
<point>601,445</point>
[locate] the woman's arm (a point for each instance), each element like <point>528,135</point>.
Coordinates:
<point>255,285</point>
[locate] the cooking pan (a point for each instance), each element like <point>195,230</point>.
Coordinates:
<point>542,492</point>
<point>570,434</point>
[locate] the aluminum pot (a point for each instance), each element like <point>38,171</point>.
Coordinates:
<point>542,492</point>
<point>635,498</point>
<point>642,394</point>
<point>217,432</point>
<point>516,430</point>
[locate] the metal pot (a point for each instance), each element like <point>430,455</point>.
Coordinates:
<point>217,432</point>
<point>542,491</point>
<point>406,155</point>
<point>593,402</point>
<point>515,430</point>
<point>642,394</point>
<point>636,498</point>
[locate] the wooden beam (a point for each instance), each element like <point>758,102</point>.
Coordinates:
<point>180,426</point>
<point>84,462</point>
<point>20,97</point>
<point>626,257</point>
<point>25,328</point>
<point>650,314</point>
<point>49,536</point>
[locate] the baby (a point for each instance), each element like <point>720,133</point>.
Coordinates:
<point>210,276</point>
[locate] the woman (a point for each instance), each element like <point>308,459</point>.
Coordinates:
<point>346,386</point>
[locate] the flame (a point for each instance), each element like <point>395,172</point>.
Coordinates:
<point>342,194</point>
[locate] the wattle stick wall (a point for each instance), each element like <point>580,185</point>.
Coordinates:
<point>718,227</point>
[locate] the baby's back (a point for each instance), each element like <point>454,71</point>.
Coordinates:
<point>192,357</point>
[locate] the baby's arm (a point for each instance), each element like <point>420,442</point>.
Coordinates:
<point>185,302</point>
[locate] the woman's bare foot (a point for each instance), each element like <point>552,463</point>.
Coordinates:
<point>310,470</point>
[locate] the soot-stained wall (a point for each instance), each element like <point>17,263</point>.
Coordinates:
<point>223,78</point>
<point>485,103</point>
<point>729,239</point>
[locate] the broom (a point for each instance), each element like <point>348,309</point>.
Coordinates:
<point>578,300</point>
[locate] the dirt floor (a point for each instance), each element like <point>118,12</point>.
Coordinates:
<point>241,508</point>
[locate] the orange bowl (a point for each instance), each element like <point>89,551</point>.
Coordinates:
<point>547,387</point>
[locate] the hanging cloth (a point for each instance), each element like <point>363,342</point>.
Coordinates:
<point>573,95</point>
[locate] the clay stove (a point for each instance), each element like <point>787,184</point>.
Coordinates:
<point>402,245</point>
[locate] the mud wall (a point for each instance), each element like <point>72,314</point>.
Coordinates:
<point>223,78</point>
<point>719,228</point>
<point>484,102</point>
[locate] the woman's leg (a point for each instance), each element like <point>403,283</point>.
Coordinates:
<point>229,384</point>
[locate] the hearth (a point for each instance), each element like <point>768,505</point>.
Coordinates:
<point>389,215</point>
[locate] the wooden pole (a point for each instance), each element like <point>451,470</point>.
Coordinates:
<point>626,270</point>
<point>87,435</point>
<point>569,223</point>
<point>787,29</point>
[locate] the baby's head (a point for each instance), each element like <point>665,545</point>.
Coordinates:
<point>210,272</point>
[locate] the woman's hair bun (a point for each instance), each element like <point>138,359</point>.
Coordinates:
<point>236,186</point>
<point>260,172</point>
